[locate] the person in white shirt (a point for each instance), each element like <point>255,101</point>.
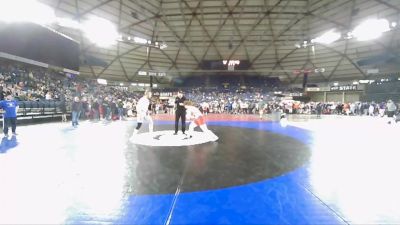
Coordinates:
<point>143,112</point>
<point>234,107</point>
<point>206,107</point>
<point>197,119</point>
<point>48,96</point>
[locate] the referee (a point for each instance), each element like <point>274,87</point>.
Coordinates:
<point>180,112</point>
<point>10,108</point>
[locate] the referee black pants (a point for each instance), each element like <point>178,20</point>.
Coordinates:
<point>7,122</point>
<point>182,115</point>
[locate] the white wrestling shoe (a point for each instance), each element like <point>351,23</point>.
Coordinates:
<point>133,136</point>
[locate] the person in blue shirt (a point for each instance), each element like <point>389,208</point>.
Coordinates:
<point>10,107</point>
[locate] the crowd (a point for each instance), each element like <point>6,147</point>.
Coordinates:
<point>96,102</point>
<point>236,104</point>
<point>267,102</point>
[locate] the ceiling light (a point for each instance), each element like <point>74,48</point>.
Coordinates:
<point>328,37</point>
<point>355,83</point>
<point>319,70</point>
<point>142,73</point>
<point>371,29</point>
<point>336,84</point>
<point>140,40</point>
<point>393,24</point>
<point>100,31</point>
<point>163,45</point>
<point>121,84</point>
<point>32,11</point>
<point>134,84</point>
<point>102,81</point>
<point>348,35</point>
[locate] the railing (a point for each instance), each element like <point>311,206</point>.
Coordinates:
<point>40,109</point>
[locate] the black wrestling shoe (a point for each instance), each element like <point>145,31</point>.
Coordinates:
<point>187,137</point>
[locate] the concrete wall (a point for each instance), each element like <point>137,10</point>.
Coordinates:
<point>326,96</point>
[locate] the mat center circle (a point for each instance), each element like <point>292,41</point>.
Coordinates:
<point>167,138</point>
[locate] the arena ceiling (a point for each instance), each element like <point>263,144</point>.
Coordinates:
<point>264,32</point>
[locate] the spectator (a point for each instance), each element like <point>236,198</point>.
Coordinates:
<point>95,110</point>
<point>10,107</point>
<point>391,109</point>
<point>76,109</point>
<point>1,93</point>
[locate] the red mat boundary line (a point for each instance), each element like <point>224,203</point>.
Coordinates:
<point>214,117</point>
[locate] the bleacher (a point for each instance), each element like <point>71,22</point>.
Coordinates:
<point>32,111</point>
<point>381,92</point>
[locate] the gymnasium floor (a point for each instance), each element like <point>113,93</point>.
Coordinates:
<point>334,170</point>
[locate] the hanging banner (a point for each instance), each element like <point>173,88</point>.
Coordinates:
<point>344,88</point>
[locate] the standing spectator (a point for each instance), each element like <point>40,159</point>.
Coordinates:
<point>107,108</point>
<point>206,108</point>
<point>95,109</point>
<point>102,108</point>
<point>261,106</point>
<point>234,107</point>
<point>371,109</point>
<point>353,109</point>
<point>120,105</point>
<point>76,109</point>
<point>365,108</point>
<point>10,107</point>
<point>114,110</point>
<point>382,107</point>
<point>319,110</point>
<point>391,109</point>
<point>63,109</point>
<point>84,109</point>
<point>170,106</point>
<point>129,109</point>
<point>1,93</point>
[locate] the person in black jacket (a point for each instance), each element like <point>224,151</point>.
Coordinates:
<point>95,109</point>
<point>1,93</point>
<point>180,112</point>
<point>319,110</point>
